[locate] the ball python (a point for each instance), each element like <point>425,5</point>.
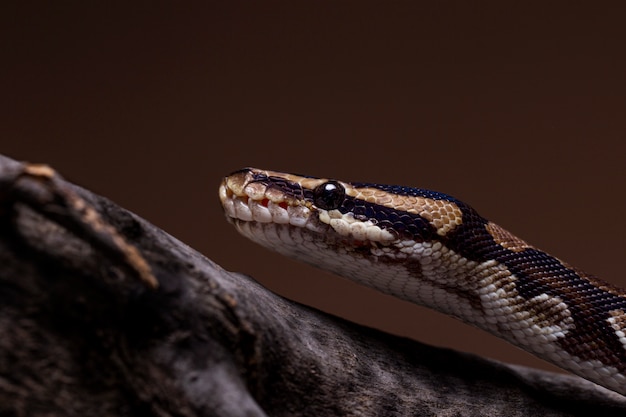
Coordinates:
<point>434,250</point>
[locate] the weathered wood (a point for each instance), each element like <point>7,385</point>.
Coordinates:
<point>86,331</point>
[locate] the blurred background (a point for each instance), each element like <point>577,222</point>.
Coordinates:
<point>516,108</point>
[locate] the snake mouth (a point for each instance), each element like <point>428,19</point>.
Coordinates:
<point>244,199</point>
<point>286,226</point>
<point>254,196</point>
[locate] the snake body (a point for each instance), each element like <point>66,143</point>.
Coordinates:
<point>434,250</point>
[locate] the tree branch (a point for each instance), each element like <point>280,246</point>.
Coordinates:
<point>101,313</point>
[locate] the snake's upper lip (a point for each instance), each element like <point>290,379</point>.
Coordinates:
<point>248,200</point>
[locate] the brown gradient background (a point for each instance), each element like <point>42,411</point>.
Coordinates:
<point>517,109</point>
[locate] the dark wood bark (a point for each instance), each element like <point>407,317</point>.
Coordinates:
<point>101,313</point>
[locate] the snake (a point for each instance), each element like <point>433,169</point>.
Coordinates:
<point>434,250</point>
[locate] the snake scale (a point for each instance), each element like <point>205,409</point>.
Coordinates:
<point>434,250</point>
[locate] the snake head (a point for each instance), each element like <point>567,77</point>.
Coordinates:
<point>275,208</point>
<point>296,214</point>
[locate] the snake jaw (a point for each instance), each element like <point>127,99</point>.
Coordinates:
<point>245,198</point>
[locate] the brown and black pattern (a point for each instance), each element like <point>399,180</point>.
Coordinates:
<point>590,304</point>
<point>596,308</point>
<point>590,301</point>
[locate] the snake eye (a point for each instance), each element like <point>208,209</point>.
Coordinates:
<point>329,195</point>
